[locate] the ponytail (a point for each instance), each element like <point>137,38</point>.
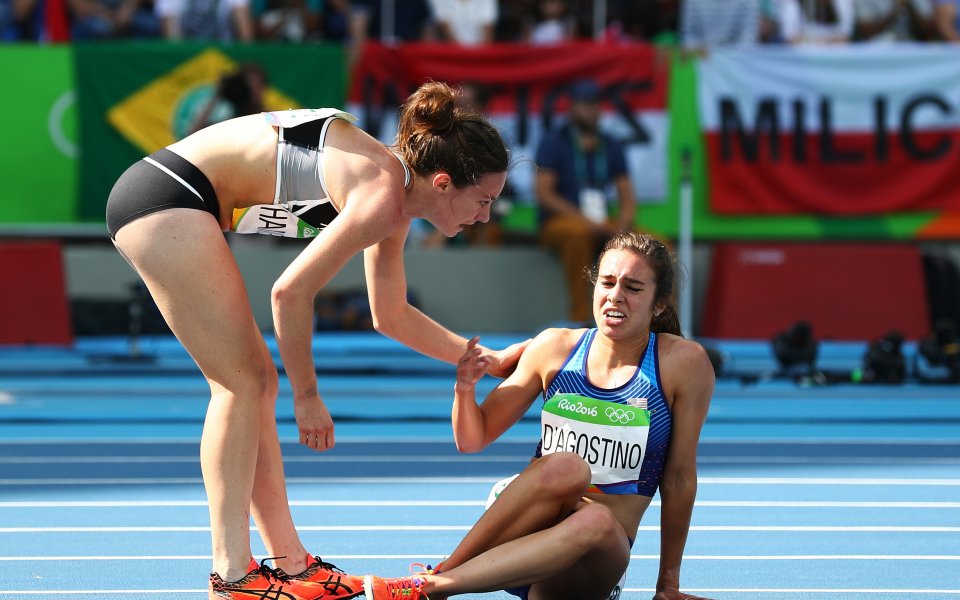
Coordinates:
<point>668,321</point>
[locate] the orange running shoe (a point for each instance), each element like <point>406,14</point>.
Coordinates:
<point>322,579</point>
<point>401,588</point>
<point>257,584</point>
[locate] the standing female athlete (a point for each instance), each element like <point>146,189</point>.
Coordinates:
<point>623,406</point>
<point>300,173</point>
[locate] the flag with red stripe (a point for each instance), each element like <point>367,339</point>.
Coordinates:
<point>859,130</point>
<point>527,93</point>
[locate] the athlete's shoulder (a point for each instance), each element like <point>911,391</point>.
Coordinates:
<point>682,355</point>
<point>552,343</point>
<point>558,336</point>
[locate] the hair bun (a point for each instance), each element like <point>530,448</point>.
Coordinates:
<point>434,135</point>
<point>434,108</point>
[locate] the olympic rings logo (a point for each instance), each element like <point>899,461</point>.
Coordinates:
<point>620,415</point>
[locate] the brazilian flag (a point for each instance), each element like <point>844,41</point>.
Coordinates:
<point>135,98</point>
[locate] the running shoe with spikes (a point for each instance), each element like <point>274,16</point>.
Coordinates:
<point>257,584</point>
<point>323,578</point>
<point>401,588</point>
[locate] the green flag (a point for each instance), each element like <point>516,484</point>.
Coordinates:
<point>135,98</point>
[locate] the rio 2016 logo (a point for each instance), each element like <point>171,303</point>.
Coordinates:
<point>577,407</point>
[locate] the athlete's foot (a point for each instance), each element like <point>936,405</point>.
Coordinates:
<point>324,580</point>
<point>257,584</point>
<point>401,588</point>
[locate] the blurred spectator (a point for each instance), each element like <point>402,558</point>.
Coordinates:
<point>19,20</point>
<point>513,20</point>
<point>412,21</point>
<point>209,20</point>
<point>641,20</point>
<point>106,19</point>
<point>466,22</point>
<point>287,20</point>
<point>893,20</point>
<point>237,94</point>
<point>579,168</point>
<point>708,24</point>
<point>552,23</point>
<point>946,20</point>
<point>816,21</point>
<point>769,28</point>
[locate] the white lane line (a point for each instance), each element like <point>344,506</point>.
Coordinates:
<point>203,503</point>
<point>43,460</point>
<point>136,593</point>
<point>651,557</point>
<point>383,528</point>
<point>802,591</point>
<point>766,443</point>
<point>442,480</point>
<point>778,460</point>
<point>51,593</point>
<point>445,503</point>
<point>44,593</point>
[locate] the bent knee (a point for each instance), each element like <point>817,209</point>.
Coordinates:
<point>257,382</point>
<point>563,474</point>
<point>597,528</point>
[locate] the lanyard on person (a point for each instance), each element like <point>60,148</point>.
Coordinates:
<point>598,174</point>
<point>592,198</point>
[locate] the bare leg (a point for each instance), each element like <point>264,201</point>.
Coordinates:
<point>187,266</point>
<point>271,509</point>
<point>542,496</point>
<point>580,558</point>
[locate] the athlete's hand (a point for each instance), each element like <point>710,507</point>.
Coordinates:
<point>472,365</point>
<point>314,423</point>
<point>503,362</point>
<point>675,594</point>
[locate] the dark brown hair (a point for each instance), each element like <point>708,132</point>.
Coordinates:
<point>434,135</point>
<point>663,263</point>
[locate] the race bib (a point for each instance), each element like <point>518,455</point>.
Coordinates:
<point>271,219</point>
<point>610,437</point>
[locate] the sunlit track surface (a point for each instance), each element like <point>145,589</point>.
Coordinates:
<point>835,492</point>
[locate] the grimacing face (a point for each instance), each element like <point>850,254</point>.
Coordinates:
<point>624,295</point>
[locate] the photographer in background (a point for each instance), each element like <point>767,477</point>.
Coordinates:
<point>938,355</point>
<point>884,361</point>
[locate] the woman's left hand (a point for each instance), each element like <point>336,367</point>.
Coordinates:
<point>314,423</point>
<point>503,362</point>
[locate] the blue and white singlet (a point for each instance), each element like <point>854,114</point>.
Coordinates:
<point>622,433</point>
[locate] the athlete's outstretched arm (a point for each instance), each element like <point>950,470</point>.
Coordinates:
<point>477,426</point>
<point>395,317</point>
<point>292,297</point>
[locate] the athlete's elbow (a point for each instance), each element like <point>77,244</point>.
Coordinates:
<point>382,322</point>
<point>469,445</point>
<point>386,317</point>
<point>280,294</point>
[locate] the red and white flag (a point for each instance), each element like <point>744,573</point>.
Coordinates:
<point>527,93</point>
<point>855,130</point>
